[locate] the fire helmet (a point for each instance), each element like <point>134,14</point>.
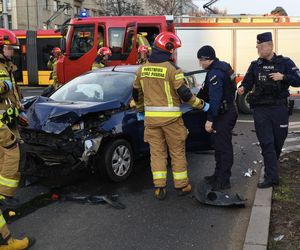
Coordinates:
<point>56,51</point>
<point>104,51</point>
<point>167,41</point>
<point>8,38</point>
<point>143,49</point>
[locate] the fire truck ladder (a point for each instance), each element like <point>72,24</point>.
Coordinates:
<point>206,6</point>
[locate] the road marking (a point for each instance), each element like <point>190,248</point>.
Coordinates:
<point>245,121</point>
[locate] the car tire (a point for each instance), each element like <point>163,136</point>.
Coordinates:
<point>243,104</point>
<point>117,160</point>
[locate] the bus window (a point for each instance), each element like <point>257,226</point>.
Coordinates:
<point>82,41</point>
<point>116,36</point>
<point>44,48</point>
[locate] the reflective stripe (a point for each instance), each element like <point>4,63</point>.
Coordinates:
<point>1,124</point>
<point>2,221</point>
<point>142,84</point>
<point>179,76</point>
<point>8,182</point>
<point>196,102</point>
<point>180,175</point>
<point>159,175</point>
<point>163,114</point>
<point>168,94</point>
<point>156,108</point>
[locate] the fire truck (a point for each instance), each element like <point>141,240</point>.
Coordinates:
<point>233,37</point>
<point>34,53</point>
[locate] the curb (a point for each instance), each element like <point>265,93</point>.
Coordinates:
<point>258,227</point>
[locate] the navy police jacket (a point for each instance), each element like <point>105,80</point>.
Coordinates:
<point>285,66</point>
<point>218,86</point>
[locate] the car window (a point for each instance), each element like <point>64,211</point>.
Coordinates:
<point>96,87</point>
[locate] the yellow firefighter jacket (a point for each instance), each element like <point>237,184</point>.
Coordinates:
<point>157,84</point>
<point>12,98</point>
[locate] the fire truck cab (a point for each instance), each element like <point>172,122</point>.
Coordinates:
<point>122,35</point>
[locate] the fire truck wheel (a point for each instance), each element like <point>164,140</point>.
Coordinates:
<point>243,104</point>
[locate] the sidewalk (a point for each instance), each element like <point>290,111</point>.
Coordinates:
<point>258,227</point>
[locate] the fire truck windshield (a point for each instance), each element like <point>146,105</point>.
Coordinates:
<point>82,40</point>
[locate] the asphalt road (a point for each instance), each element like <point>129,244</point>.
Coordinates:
<point>146,223</point>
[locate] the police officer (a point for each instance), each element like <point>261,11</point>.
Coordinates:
<point>10,113</point>
<point>269,78</point>
<point>56,53</point>
<point>219,90</point>
<point>160,87</point>
<point>101,58</point>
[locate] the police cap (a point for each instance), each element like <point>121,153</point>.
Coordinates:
<point>207,53</point>
<point>264,37</point>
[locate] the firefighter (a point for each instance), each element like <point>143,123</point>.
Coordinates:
<point>143,54</point>
<point>10,113</point>
<point>219,90</point>
<point>269,78</point>
<point>101,58</point>
<point>56,53</point>
<point>160,87</point>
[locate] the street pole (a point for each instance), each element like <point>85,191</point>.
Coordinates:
<point>5,14</point>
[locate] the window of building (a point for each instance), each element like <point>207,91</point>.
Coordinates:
<point>76,9</point>
<point>46,4</point>
<point>55,5</point>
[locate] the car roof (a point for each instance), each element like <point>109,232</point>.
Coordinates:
<point>119,68</point>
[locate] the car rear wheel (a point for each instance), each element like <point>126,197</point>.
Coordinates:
<point>117,160</point>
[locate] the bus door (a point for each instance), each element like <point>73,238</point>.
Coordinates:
<point>129,50</point>
<point>81,52</point>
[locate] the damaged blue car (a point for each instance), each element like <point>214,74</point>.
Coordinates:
<point>92,122</point>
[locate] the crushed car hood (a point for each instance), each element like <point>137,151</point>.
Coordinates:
<point>54,117</point>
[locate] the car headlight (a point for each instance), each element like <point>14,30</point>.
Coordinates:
<point>78,126</point>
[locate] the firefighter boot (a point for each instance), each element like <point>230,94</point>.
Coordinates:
<point>15,244</point>
<point>160,193</point>
<point>185,190</point>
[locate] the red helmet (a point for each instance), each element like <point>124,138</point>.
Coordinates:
<point>8,38</point>
<point>167,41</point>
<point>143,49</point>
<point>56,51</point>
<point>104,51</point>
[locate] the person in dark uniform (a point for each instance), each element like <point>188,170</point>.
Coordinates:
<point>219,90</point>
<point>269,78</point>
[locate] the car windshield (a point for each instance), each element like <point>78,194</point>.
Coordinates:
<point>96,87</point>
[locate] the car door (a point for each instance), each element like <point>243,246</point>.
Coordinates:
<point>194,119</point>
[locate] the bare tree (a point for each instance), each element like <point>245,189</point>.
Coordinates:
<point>167,7</point>
<point>216,10</point>
<point>123,7</point>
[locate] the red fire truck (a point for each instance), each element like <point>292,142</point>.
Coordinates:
<point>233,37</point>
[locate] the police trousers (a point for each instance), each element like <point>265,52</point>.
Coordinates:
<point>222,141</point>
<point>271,125</point>
<point>161,140</point>
<point>9,161</point>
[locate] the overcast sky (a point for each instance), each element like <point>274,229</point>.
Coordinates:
<point>292,7</point>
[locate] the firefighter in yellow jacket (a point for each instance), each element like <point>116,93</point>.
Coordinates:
<point>159,89</point>
<point>10,113</point>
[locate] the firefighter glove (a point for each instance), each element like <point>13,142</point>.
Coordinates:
<point>140,116</point>
<point>23,119</point>
<point>8,86</point>
<point>206,107</point>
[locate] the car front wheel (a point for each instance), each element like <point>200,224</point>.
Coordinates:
<point>117,160</point>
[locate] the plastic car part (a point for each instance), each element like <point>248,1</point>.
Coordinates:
<point>205,195</point>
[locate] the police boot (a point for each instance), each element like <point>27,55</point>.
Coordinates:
<point>160,193</point>
<point>185,190</point>
<point>8,201</point>
<point>15,244</point>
